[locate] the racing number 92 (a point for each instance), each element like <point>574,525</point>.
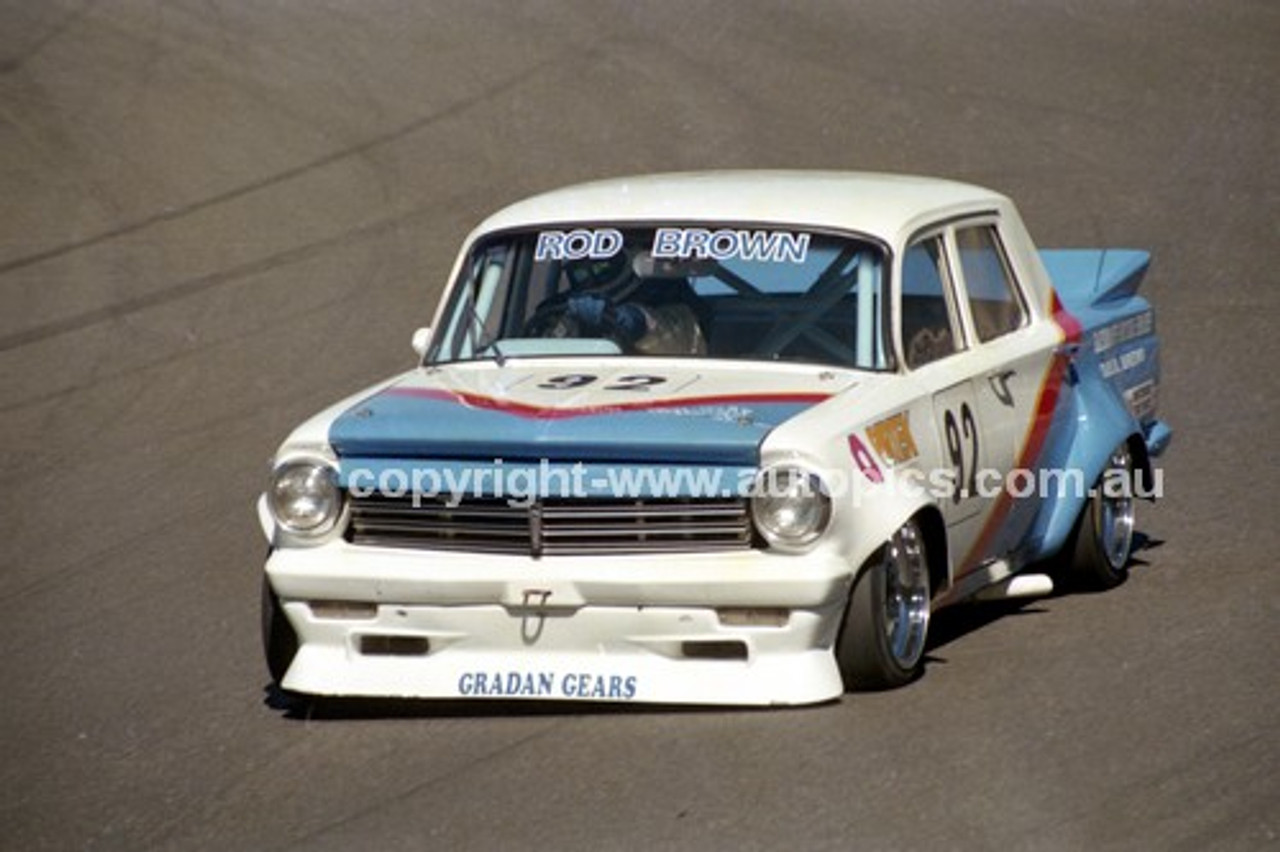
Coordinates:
<point>962,435</point>
<point>570,381</point>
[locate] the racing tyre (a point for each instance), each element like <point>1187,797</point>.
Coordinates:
<point>1097,555</point>
<point>882,640</point>
<point>279,642</point>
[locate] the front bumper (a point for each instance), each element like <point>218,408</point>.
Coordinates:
<point>747,627</point>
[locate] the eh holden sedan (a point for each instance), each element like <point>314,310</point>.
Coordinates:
<point>716,438</point>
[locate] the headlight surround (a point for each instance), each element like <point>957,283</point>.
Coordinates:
<point>791,507</point>
<point>304,497</point>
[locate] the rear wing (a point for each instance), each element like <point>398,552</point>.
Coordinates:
<point>1090,276</point>
<point>1119,348</point>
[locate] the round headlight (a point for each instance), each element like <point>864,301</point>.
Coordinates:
<point>791,507</point>
<point>304,497</point>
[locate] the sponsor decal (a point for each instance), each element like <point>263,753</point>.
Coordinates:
<point>719,413</point>
<point>500,684</point>
<point>865,462</point>
<point>892,439</point>
<point>726,244</point>
<point>1141,399</point>
<point>1111,336</point>
<point>1122,363</point>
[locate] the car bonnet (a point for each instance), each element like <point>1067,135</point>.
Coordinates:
<point>570,410</point>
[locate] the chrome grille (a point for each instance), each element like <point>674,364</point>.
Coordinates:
<point>553,527</point>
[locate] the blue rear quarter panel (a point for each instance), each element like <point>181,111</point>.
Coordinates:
<point>1112,382</point>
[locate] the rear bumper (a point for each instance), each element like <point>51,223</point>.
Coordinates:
<point>741,628</point>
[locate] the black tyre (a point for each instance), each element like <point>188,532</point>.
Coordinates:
<point>881,643</point>
<point>1097,554</point>
<point>279,642</point>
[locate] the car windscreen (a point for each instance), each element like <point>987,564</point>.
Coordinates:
<point>696,291</point>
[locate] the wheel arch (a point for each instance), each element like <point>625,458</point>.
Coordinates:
<point>867,656</point>
<point>936,550</point>
<point>1100,422</point>
<point>880,513</point>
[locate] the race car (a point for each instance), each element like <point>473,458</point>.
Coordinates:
<point>716,438</point>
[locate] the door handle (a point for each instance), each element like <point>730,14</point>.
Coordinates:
<point>1000,386</point>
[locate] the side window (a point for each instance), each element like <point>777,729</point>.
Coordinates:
<point>927,328</point>
<point>993,300</point>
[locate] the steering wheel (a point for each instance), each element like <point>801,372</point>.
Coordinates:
<point>552,319</point>
<point>576,315</point>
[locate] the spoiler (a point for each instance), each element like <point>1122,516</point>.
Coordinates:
<point>1098,275</point>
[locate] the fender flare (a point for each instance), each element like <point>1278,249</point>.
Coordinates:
<point>1099,422</point>
<point>881,509</point>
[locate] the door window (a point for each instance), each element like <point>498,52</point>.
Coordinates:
<point>929,330</point>
<point>994,304</point>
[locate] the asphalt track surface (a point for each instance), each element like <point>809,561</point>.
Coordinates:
<point>217,217</point>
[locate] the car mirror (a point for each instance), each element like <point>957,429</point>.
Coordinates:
<point>421,340</point>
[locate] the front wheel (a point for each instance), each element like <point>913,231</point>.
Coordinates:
<point>1097,556</point>
<point>882,640</point>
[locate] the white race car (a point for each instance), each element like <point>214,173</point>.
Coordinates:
<point>715,438</point>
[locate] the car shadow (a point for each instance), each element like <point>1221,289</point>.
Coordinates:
<point>956,622</point>
<point>1141,543</point>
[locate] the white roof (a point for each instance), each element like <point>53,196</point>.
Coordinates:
<point>880,205</point>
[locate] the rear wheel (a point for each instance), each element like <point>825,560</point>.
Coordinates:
<point>886,623</point>
<point>1097,556</point>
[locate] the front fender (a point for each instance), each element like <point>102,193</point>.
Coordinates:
<point>875,511</point>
